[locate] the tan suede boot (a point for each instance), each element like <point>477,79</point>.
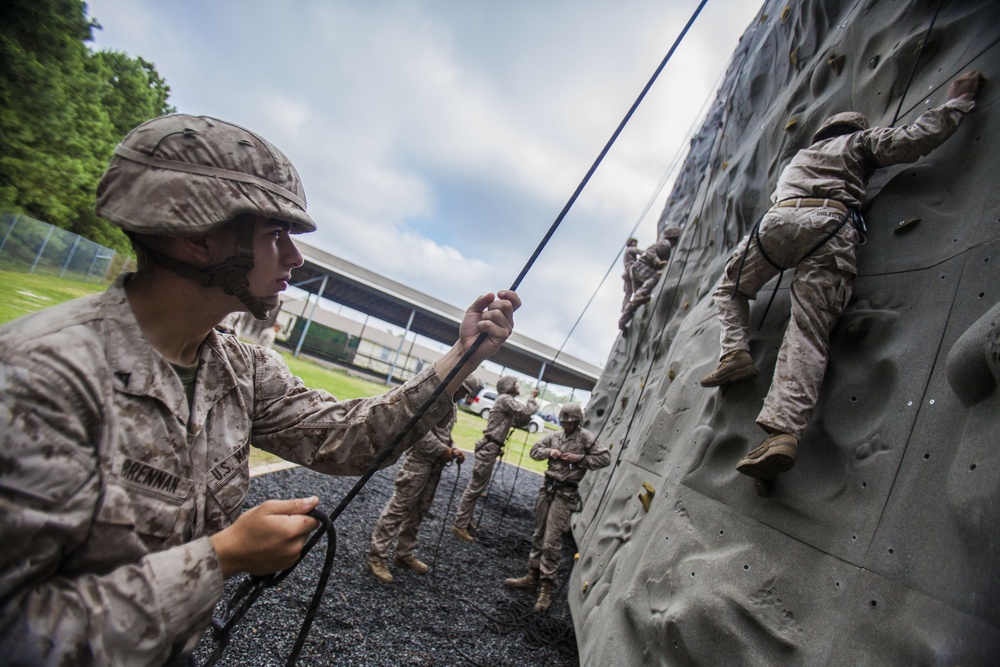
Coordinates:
<point>544,596</point>
<point>528,582</point>
<point>461,533</point>
<point>773,457</point>
<point>378,567</point>
<point>411,563</point>
<point>732,367</point>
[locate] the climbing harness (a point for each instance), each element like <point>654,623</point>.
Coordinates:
<point>849,214</point>
<point>252,586</point>
<point>241,602</point>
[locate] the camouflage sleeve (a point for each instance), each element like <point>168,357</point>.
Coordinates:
<point>49,490</point>
<point>312,428</point>
<point>520,412</point>
<point>541,449</point>
<point>438,439</point>
<point>901,145</point>
<point>597,455</point>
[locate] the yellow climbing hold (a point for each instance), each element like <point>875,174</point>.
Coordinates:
<point>672,374</point>
<point>725,165</point>
<point>785,13</point>
<point>792,122</point>
<point>646,497</point>
<point>794,56</point>
<point>576,556</point>
<point>586,585</point>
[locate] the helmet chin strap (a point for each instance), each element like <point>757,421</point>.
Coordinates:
<point>230,275</point>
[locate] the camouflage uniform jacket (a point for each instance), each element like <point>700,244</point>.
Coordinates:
<point>630,257</point>
<point>648,263</point>
<point>583,442</point>
<point>437,441</point>
<point>110,484</point>
<point>506,412</point>
<point>839,168</point>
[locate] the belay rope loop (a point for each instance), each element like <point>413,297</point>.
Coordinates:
<point>255,589</point>
<point>251,588</point>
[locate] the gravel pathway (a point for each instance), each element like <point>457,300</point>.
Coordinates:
<point>458,614</point>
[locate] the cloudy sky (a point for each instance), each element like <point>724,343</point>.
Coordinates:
<point>438,140</point>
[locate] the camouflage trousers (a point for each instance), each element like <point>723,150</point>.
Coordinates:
<point>820,291</point>
<point>644,279</point>
<point>627,286</point>
<point>552,511</point>
<point>416,483</point>
<point>487,452</point>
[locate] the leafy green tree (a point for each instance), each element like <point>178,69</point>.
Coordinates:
<point>63,108</point>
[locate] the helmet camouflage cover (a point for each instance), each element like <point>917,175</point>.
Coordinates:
<point>185,175</point>
<point>571,412</point>
<point>506,384</point>
<point>851,119</point>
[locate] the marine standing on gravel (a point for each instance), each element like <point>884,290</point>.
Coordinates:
<point>126,419</point>
<point>820,190</point>
<point>571,453</point>
<point>646,273</point>
<point>416,484</point>
<point>629,258</point>
<point>506,413</point>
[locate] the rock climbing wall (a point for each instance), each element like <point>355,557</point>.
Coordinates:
<point>882,545</point>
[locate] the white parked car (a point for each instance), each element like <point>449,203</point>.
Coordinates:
<point>482,403</point>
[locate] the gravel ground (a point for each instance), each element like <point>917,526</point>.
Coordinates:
<point>459,613</point>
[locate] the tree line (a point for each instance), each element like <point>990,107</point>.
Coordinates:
<point>63,109</point>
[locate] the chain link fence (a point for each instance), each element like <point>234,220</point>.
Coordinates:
<point>32,246</point>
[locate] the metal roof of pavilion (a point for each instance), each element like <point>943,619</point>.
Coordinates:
<point>392,302</point>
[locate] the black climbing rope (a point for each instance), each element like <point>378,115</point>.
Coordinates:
<point>916,63</point>
<point>251,587</point>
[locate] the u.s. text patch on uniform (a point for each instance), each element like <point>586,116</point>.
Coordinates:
<point>228,467</point>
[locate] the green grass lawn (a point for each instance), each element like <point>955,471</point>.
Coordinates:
<point>22,293</point>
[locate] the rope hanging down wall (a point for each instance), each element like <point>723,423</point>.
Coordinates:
<point>390,448</point>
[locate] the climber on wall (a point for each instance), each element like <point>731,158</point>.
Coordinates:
<point>645,272</point>
<point>821,190</point>
<point>629,258</point>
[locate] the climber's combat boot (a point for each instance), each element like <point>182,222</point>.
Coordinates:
<point>528,582</point>
<point>544,596</point>
<point>733,366</point>
<point>774,456</point>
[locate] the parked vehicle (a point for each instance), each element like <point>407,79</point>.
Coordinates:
<point>482,403</point>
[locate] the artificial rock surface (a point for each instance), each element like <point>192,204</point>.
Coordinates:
<point>882,544</point>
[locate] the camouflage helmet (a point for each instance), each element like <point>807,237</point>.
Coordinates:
<point>571,412</point>
<point>848,119</point>
<point>631,242</point>
<point>185,175</point>
<point>672,233</point>
<point>471,385</point>
<point>507,384</point>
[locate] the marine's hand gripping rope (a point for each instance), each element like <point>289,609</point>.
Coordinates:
<point>252,587</point>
